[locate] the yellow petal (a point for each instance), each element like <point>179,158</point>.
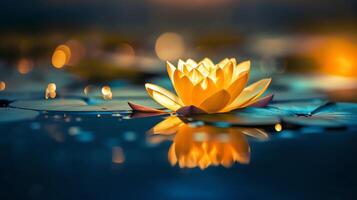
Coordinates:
<point>238,85</point>
<point>234,61</point>
<point>240,68</point>
<point>195,76</point>
<point>163,96</point>
<point>215,102</point>
<point>263,86</point>
<point>202,90</point>
<point>219,79</point>
<point>183,87</point>
<point>248,94</point>
<point>228,72</point>
<point>207,63</point>
<point>180,65</point>
<point>203,70</point>
<point>223,62</point>
<point>167,127</point>
<point>186,69</point>
<point>191,63</point>
<point>170,69</point>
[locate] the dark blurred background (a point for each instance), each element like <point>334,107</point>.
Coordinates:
<point>106,40</point>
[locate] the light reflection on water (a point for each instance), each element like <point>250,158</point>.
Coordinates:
<point>205,145</point>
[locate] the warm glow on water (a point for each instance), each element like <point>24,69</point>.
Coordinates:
<point>117,155</point>
<point>204,146</point>
<point>278,127</point>
<point>170,46</point>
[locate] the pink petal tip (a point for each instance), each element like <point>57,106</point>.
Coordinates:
<point>263,101</point>
<point>141,108</point>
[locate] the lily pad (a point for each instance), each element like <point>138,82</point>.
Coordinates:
<point>77,105</point>
<point>12,96</point>
<point>118,93</point>
<point>299,107</point>
<point>48,105</point>
<point>14,114</point>
<point>330,115</point>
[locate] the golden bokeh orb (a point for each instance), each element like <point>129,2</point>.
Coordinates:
<point>125,55</point>
<point>51,87</point>
<point>61,56</point>
<point>24,66</point>
<point>106,90</point>
<point>2,85</point>
<point>169,46</point>
<point>278,127</point>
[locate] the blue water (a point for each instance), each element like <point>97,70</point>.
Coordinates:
<point>54,158</point>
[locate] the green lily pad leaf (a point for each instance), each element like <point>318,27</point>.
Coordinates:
<point>266,111</point>
<point>12,96</point>
<point>342,108</point>
<point>300,107</point>
<point>76,105</point>
<point>330,115</point>
<point>14,114</point>
<point>123,104</point>
<point>48,105</point>
<point>118,93</point>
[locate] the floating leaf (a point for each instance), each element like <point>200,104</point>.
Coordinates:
<point>76,105</point>
<point>14,114</point>
<point>330,115</point>
<point>299,107</point>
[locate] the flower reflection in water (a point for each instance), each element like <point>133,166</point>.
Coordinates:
<point>205,145</point>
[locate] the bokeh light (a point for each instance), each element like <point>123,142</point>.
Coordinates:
<point>125,55</point>
<point>337,56</point>
<point>24,66</point>
<point>278,127</point>
<point>170,46</point>
<point>61,56</point>
<point>2,85</point>
<point>50,91</point>
<point>107,93</point>
<point>117,155</point>
<point>51,87</point>
<point>77,51</point>
<point>87,89</point>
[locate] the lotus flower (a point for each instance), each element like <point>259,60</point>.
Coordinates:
<point>212,88</point>
<point>206,145</point>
